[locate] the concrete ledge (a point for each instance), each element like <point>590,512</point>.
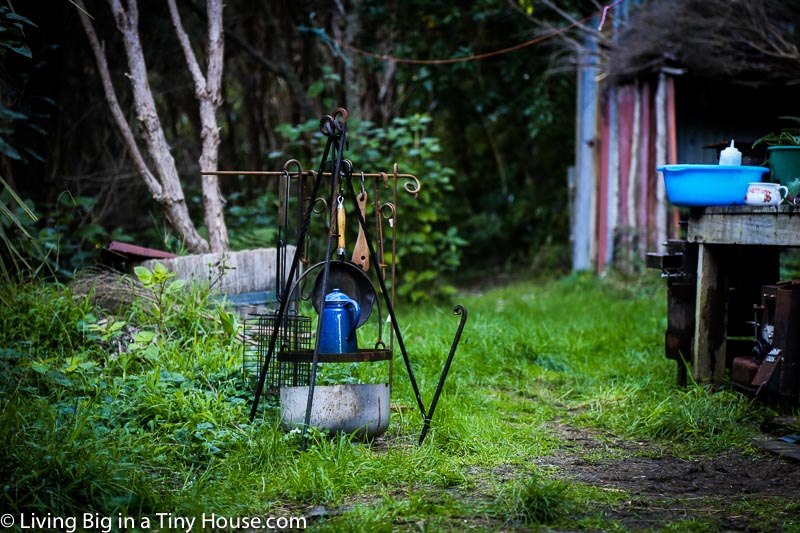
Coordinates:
<point>230,273</point>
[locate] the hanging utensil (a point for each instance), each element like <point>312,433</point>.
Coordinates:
<point>378,227</point>
<point>340,224</point>
<point>343,275</point>
<point>283,223</point>
<point>361,251</point>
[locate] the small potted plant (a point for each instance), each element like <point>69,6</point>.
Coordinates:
<point>783,151</point>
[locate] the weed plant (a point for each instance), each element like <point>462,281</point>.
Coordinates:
<point>147,411</point>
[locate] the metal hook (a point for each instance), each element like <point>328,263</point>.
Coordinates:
<point>326,125</point>
<point>347,167</point>
<point>411,188</point>
<point>341,112</point>
<point>324,208</point>
<point>296,163</point>
<point>383,210</point>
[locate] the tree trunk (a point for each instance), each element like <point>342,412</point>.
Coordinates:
<point>345,32</point>
<point>208,92</point>
<point>173,199</point>
<point>165,186</point>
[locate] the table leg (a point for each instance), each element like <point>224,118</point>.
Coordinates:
<point>708,358</point>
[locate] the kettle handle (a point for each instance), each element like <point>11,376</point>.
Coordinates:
<point>356,315</point>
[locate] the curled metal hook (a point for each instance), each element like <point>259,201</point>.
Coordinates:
<point>387,210</point>
<point>411,188</point>
<point>347,167</point>
<point>327,126</point>
<point>330,126</point>
<point>324,208</point>
<point>295,162</point>
<point>341,112</point>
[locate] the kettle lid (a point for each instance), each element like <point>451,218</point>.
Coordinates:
<point>337,295</point>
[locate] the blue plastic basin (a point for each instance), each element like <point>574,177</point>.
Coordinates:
<point>707,185</point>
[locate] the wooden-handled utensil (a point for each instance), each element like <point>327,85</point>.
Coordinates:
<point>340,220</point>
<point>361,250</point>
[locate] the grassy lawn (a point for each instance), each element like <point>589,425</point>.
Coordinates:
<point>145,415</point>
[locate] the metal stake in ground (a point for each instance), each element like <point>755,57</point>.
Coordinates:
<point>457,310</point>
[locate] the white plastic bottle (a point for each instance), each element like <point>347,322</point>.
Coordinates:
<point>730,156</point>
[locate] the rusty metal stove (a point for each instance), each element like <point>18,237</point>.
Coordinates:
<point>773,366</point>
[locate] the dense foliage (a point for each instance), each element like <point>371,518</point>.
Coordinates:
<point>502,124</point>
<point>505,122</point>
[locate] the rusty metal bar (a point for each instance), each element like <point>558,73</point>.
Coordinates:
<point>312,173</point>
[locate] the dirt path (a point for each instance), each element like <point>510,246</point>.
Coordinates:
<point>736,492</point>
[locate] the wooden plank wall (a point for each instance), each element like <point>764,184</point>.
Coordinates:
<point>582,233</point>
<point>634,136</point>
<point>622,134</point>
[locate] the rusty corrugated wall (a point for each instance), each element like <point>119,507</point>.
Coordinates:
<point>623,132</point>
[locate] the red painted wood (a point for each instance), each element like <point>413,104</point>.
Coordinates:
<point>602,190</point>
<point>626,97</point>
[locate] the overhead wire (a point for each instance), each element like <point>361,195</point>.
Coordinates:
<point>536,40</point>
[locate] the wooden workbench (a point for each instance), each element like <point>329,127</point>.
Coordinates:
<point>738,252</point>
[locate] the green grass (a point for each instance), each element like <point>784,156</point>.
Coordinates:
<point>148,413</point>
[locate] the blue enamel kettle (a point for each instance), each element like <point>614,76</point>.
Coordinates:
<point>340,316</point>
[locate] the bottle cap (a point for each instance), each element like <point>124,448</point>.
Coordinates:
<point>730,156</point>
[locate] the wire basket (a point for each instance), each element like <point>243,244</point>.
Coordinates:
<point>294,334</point>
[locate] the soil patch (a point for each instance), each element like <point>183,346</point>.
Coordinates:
<point>731,489</point>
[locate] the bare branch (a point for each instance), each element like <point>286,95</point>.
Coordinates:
<point>170,193</point>
<point>116,110</point>
<point>583,27</point>
<point>208,90</point>
<point>186,46</point>
<point>743,42</point>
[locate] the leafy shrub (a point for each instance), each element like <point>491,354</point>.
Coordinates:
<point>44,321</point>
<point>55,240</point>
<point>95,411</point>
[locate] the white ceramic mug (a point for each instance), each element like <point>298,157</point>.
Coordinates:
<point>765,193</point>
